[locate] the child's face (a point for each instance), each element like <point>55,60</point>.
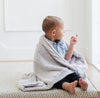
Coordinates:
<point>60,31</point>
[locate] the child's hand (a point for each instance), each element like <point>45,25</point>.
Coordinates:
<point>73,40</point>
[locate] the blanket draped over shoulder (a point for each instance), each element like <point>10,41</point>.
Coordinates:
<point>50,67</point>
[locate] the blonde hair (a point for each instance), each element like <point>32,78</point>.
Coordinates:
<point>50,22</point>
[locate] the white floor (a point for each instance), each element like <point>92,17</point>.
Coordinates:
<point>17,69</point>
<point>12,69</point>
<point>97,66</point>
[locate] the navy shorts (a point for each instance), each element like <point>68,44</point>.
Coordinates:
<point>69,78</point>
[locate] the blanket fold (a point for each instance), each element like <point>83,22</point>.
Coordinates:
<point>50,67</point>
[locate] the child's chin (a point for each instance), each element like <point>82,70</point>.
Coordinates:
<point>60,38</point>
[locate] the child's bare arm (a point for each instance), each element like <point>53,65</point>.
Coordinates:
<point>69,52</point>
<point>71,47</point>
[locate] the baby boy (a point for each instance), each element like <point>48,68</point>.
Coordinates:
<point>54,31</point>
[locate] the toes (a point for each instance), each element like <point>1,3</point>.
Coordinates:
<point>80,79</point>
<point>84,85</point>
<point>71,88</point>
<point>76,83</point>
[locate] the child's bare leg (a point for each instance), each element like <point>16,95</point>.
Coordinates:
<point>83,84</point>
<point>70,87</point>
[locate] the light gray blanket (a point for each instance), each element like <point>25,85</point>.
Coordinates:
<point>50,67</point>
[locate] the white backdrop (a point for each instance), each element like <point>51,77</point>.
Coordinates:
<point>20,25</point>
<point>96,33</point>
<point>27,15</point>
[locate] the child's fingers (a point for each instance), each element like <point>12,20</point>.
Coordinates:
<point>76,35</point>
<point>72,37</point>
<point>75,39</point>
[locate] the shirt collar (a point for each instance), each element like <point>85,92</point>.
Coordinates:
<point>59,41</point>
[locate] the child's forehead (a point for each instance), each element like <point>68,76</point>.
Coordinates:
<point>60,25</point>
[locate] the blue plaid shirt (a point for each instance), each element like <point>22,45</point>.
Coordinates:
<point>60,47</point>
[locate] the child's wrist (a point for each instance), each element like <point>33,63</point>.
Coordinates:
<point>71,44</point>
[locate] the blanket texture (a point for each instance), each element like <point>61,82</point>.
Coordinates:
<point>50,67</point>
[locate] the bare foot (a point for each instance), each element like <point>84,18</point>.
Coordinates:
<point>70,87</point>
<point>83,84</point>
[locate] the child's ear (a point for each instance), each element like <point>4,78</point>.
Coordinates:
<point>53,32</point>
